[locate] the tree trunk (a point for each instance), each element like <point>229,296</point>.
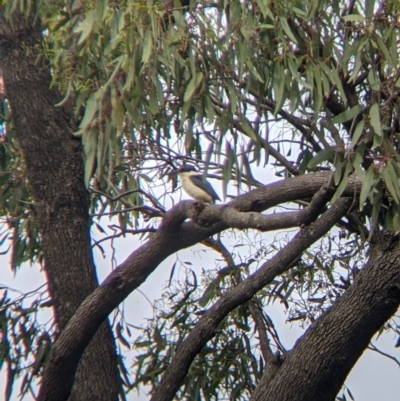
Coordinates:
<point>321,360</point>
<point>54,164</point>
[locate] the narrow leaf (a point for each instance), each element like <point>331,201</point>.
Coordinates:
<point>367,186</point>
<point>347,115</point>
<point>375,119</point>
<point>147,48</point>
<point>192,86</point>
<point>323,155</point>
<point>89,145</point>
<point>390,185</point>
<point>353,17</point>
<point>357,134</point>
<point>287,29</point>
<point>279,86</point>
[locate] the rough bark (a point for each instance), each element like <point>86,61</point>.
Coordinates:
<point>54,168</point>
<point>320,361</point>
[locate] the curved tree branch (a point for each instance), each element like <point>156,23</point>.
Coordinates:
<point>276,221</point>
<point>272,361</point>
<point>173,234</point>
<point>323,357</point>
<point>205,328</point>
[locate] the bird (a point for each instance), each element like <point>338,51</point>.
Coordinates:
<point>194,184</point>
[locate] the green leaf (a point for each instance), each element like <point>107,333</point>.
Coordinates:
<point>391,185</point>
<point>323,155</point>
<point>299,11</point>
<point>380,44</point>
<point>232,97</point>
<point>265,26</point>
<point>209,107</point>
<point>90,110</point>
<point>179,20</point>
<point>359,59</point>
<point>118,113</point>
<point>101,8</point>
<point>338,163</point>
<point>339,85</point>
<point>89,140</point>
<point>394,176</point>
<point>353,17</point>
<point>86,26</point>
<point>325,83</point>
<point>357,134</point>
<point>279,86</point>
<point>293,67</point>
<point>343,183</point>
<point>159,339</point>
<point>368,182</point>
<point>373,80</point>
<point>396,167</point>
<point>208,295</point>
<point>358,160</point>
<point>318,96</point>
<point>248,130</point>
<point>287,29</point>
<point>374,119</point>
<point>192,86</point>
<point>253,70</point>
<point>147,48</point>
<point>369,8</point>
<point>347,115</point>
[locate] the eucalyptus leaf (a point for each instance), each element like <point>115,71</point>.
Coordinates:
<point>194,83</point>
<point>353,17</point>
<point>374,119</point>
<point>368,183</point>
<point>89,140</point>
<point>347,115</point>
<point>322,156</point>
<point>357,134</point>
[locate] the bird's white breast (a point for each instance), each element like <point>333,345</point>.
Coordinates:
<point>194,191</point>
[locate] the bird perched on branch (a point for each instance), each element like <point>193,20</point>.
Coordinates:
<point>194,184</point>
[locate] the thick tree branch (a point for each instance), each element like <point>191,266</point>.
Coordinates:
<point>205,328</point>
<point>323,357</point>
<point>243,220</point>
<point>174,234</point>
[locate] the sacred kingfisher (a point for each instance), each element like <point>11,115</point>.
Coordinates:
<point>194,184</point>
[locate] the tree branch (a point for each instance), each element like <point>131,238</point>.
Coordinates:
<point>173,234</point>
<point>244,220</point>
<point>272,361</point>
<point>328,350</point>
<point>205,328</point>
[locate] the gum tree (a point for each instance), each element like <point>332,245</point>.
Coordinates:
<point>101,99</point>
